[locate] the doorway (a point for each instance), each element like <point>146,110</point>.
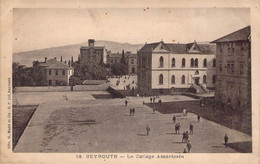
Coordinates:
<point>197,80</point>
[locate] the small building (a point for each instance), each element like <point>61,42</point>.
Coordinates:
<point>92,54</point>
<point>167,68</point>
<point>233,88</point>
<point>132,62</point>
<point>113,58</point>
<point>57,73</point>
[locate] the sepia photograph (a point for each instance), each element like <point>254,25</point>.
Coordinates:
<point>131,80</point>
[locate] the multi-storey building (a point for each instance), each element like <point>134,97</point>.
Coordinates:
<point>57,73</point>
<point>168,68</point>
<point>130,59</point>
<point>233,88</point>
<point>92,54</point>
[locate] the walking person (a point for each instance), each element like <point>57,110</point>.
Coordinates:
<point>188,146</point>
<point>183,137</point>
<point>147,130</point>
<point>176,128</point>
<point>133,111</point>
<point>187,137</point>
<point>226,139</point>
<point>174,119</point>
<point>198,117</point>
<point>126,102</point>
<point>191,128</point>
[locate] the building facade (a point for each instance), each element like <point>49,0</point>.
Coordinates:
<point>168,68</point>
<point>57,73</point>
<point>92,54</point>
<point>233,88</point>
<point>131,60</point>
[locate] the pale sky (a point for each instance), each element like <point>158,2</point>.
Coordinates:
<point>42,28</point>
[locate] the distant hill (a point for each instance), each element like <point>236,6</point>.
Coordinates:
<point>27,57</point>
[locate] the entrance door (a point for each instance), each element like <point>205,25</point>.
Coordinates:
<point>196,81</point>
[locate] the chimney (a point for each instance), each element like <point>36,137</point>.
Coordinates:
<point>45,60</point>
<point>91,42</point>
<point>55,58</point>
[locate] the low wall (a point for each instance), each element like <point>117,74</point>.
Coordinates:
<point>101,87</point>
<point>115,93</point>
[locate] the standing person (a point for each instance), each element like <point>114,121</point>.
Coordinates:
<point>126,102</point>
<point>198,117</point>
<point>188,146</point>
<point>147,130</point>
<point>154,99</point>
<point>184,112</point>
<point>151,99</point>
<point>176,128</point>
<point>174,119</point>
<point>191,128</point>
<point>133,111</point>
<point>226,139</point>
<point>130,111</point>
<point>183,137</point>
<point>187,136</point>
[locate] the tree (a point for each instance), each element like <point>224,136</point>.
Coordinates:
<point>123,60</point>
<point>119,69</point>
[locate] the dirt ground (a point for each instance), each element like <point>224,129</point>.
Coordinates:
<point>104,125</point>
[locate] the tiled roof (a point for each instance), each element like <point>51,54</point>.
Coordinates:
<point>48,63</point>
<point>59,65</point>
<point>95,47</point>
<point>242,34</point>
<point>181,48</point>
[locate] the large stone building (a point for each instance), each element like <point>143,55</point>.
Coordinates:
<point>233,88</point>
<point>57,73</point>
<point>92,54</point>
<point>168,68</point>
<point>130,59</point>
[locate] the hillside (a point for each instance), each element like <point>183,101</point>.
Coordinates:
<point>26,58</point>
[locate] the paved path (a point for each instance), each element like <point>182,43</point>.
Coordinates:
<point>80,125</point>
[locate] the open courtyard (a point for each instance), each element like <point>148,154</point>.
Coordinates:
<point>86,124</point>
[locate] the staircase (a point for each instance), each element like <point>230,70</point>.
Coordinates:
<point>204,88</point>
<point>198,88</point>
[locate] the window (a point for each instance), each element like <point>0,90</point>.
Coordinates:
<point>173,62</point>
<point>183,79</point>
<point>214,63</point>
<point>220,67</point>
<point>196,62</point>
<point>232,68</point>
<point>205,63</point>
<point>56,72</point>
<point>183,62</point>
<point>173,79</point>
<point>192,62</point>
<point>132,61</point>
<point>63,72</point>
<point>241,68</point>
<point>161,79</point>
<point>161,61</point>
<point>214,79</point>
<point>49,72</point>
<point>228,68</point>
<point>50,82</point>
<point>204,79</point>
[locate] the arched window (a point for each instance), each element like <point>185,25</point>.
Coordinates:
<point>192,62</point>
<point>205,63</point>
<point>173,62</point>
<point>161,79</point>
<point>214,62</point>
<point>173,79</point>
<point>183,79</point>
<point>183,62</point>
<point>196,62</point>
<point>214,79</point>
<point>161,61</point>
<point>204,79</point>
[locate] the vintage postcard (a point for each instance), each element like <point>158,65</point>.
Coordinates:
<point>130,82</point>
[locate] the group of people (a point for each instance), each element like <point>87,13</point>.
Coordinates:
<point>132,111</point>
<point>185,137</point>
